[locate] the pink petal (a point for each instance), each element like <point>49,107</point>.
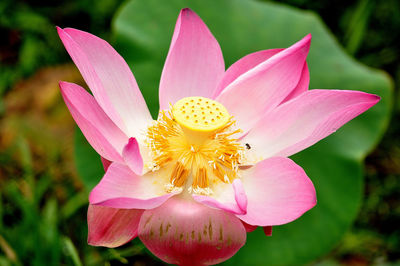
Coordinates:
<point>194,64</point>
<point>104,136</point>
<point>132,157</point>
<point>302,86</point>
<point>303,121</point>
<point>110,227</point>
<point>106,163</point>
<point>122,189</point>
<point>278,192</point>
<point>184,232</point>
<point>240,194</point>
<point>243,65</point>
<point>109,78</point>
<point>267,230</point>
<point>265,86</point>
<point>228,197</point>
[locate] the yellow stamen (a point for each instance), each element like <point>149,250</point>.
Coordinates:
<point>205,153</point>
<point>179,175</point>
<point>200,179</point>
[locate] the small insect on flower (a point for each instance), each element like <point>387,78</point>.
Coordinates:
<point>214,164</point>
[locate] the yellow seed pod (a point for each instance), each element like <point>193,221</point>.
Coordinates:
<point>200,114</point>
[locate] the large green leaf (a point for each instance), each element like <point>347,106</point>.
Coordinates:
<point>143,30</point>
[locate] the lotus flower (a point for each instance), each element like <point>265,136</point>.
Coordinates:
<point>214,165</point>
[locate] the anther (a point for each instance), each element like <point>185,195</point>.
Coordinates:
<point>201,178</point>
<point>179,175</point>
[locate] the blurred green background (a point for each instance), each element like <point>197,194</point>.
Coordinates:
<point>47,169</point>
